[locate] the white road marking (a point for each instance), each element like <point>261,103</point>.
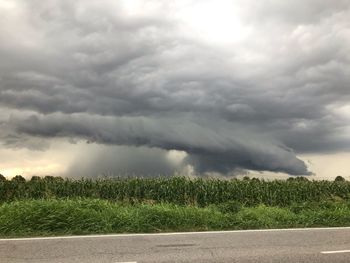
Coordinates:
<point>127,262</point>
<point>174,233</point>
<point>335,252</point>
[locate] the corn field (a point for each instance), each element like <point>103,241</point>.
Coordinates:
<point>178,190</point>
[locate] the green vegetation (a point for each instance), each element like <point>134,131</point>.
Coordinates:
<point>56,206</point>
<point>178,190</point>
<point>2,178</point>
<point>89,216</point>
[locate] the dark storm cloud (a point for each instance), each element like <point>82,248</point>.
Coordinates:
<point>212,145</point>
<point>98,72</point>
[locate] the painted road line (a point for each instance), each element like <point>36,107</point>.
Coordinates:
<point>176,233</point>
<point>335,252</point>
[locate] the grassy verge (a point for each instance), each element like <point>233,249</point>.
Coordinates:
<point>92,216</point>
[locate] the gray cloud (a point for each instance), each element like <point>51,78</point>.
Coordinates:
<point>110,76</point>
<point>122,161</point>
<point>212,145</point>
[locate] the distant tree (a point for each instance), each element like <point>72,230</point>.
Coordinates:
<point>290,179</point>
<point>339,179</point>
<point>246,178</point>
<point>18,178</point>
<point>35,178</point>
<point>2,178</point>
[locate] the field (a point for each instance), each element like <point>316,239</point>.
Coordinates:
<point>56,206</point>
<point>178,190</point>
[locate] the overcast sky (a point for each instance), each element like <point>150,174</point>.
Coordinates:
<point>152,87</point>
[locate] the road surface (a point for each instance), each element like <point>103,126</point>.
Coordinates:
<point>295,245</point>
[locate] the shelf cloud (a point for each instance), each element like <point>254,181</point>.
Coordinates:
<point>236,85</point>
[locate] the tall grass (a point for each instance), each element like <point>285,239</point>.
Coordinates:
<point>89,216</point>
<point>177,190</point>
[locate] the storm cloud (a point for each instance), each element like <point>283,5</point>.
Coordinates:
<point>233,84</point>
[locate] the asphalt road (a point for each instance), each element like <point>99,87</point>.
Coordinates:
<point>296,245</point>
